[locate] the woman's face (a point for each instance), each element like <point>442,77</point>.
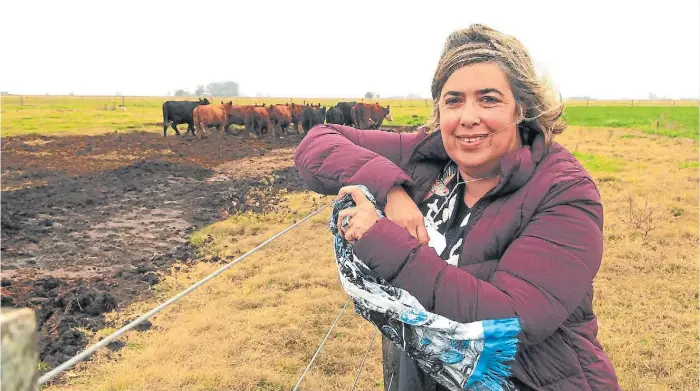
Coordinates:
<point>478,118</point>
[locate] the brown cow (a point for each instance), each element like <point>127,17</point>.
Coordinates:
<point>237,114</point>
<point>257,120</point>
<point>212,115</point>
<point>369,115</point>
<point>296,111</point>
<point>281,117</point>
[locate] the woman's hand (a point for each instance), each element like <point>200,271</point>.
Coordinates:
<point>401,209</point>
<point>362,216</point>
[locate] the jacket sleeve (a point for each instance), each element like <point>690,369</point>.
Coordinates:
<point>333,156</point>
<point>541,278</point>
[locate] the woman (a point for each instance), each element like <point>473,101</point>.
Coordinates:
<point>487,217</point>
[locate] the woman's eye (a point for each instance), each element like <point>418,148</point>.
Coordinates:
<point>451,101</point>
<point>489,99</point>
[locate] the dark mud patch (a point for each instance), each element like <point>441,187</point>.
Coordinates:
<point>83,236</point>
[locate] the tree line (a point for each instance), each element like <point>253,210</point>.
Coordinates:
<point>221,88</point>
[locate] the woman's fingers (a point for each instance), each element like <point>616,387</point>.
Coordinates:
<point>350,213</point>
<point>355,232</point>
<point>352,234</point>
<point>363,218</point>
<point>356,192</point>
<point>422,233</point>
<point>411,230</point>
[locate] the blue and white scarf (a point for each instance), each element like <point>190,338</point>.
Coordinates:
<point>460,356</point>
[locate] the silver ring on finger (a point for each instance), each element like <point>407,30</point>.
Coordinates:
<point>346,222</point>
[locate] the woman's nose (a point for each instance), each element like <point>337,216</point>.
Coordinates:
<point>469,116</point>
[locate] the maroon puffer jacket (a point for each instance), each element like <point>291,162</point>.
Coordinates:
<point>532,248</point>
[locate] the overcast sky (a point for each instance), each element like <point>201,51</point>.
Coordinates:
<point>604,49</point>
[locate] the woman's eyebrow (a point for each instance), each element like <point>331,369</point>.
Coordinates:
<point>485,91</point>
<point>455,93</point>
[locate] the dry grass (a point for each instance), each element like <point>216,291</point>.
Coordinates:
<point>646,292</point>
<point>256,326</point>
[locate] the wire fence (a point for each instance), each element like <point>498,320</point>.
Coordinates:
<point>104,342</point>
<point>46,378</point>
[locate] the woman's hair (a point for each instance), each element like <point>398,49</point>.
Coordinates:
<point>535,97</point>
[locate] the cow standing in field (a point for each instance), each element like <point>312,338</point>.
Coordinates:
<point>296,111</point>
<point>312,116</point>
<point>212,115</point>
<point>369,115</point>
<point>257,120</point>
<point>237,114</point>
<point>334,116</point>
<point>281,117</point>
<point>345,108</point>
<point>180,112</point>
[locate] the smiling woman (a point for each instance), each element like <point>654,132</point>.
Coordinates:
<point>487,218</point>
<point>479,119</point>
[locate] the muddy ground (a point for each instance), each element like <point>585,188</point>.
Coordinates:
<point>89,223</point>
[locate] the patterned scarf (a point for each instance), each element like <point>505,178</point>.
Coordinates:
<point>460,356</point>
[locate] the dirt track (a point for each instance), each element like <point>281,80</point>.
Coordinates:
<point>89,223</point>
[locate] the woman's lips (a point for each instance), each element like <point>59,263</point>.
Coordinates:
<point>471,141</point>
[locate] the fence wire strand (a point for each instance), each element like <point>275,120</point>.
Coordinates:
<point>320,346</point>
<point>104,342</point>
<point>359,371</point>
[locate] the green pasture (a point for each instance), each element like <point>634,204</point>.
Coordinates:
<point>52,115</point>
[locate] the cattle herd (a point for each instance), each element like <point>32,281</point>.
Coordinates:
<point>260,119</point>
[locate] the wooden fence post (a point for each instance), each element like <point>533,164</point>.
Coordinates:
<point>20,351</point>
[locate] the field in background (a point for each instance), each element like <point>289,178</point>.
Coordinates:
<point>256,326</point>
<point>95,115</point>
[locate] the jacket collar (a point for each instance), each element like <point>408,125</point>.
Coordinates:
<point>516,168</point>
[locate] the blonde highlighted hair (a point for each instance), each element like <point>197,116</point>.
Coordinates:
<point>536,98</point>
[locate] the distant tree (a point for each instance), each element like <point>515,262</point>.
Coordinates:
<point>118,93</point>
<point>199,90</point>
<point>223,88</point>
<point>182,93</point>
<point>654,96</point>
<point>70,94</point>
<point>369,95</point>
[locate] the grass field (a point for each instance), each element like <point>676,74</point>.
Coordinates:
<point>94,115</point>
<point>666,121</point>
<point>256,326</point>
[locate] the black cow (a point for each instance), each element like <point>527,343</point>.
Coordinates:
<point>311,117</point>
<point>176,112</point>
<point>345,108</point>
<point>334,116</point>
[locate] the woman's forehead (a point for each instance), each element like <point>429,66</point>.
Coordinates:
<point>477,78</point>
